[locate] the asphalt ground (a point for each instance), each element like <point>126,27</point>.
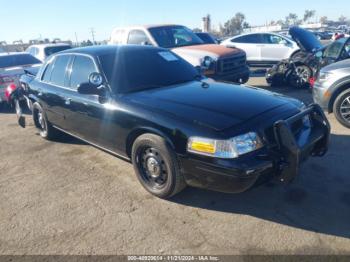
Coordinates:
<point>67,197</point>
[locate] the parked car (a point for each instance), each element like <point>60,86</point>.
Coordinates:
<point>303,66</point>
<point>208,38</point>
<point>176,127</point>
<point>43,51</point>
<point>331,90</point>
<point>323,35</point>
<point>217,62</point>
<point>263,49</point>
<point>12,66</point>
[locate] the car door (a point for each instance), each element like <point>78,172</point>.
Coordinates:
<point>84,113</point>
<point>274,48</point>
<point>251,44</point>
<point>51,89</point>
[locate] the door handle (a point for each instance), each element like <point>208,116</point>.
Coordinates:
<point>40,92</point>
<point>68,101</point>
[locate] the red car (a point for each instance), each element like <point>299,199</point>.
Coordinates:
<point>12,66</point>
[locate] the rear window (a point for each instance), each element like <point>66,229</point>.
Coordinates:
<point>55,49</point>
<point>17,60</point>
<point>132,70</point>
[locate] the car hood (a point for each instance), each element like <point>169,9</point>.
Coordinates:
<point>212,50</point>
<point>306,40</point>
<point>341,65</point>
<point>214,105</point>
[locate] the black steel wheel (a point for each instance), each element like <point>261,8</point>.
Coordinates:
<point>156,166</point>
<point>342,108</point>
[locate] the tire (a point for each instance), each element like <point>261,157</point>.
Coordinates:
<point>156,166</point>
<point>341,108</point>
<point>300,77</point>
<point>46,130</point>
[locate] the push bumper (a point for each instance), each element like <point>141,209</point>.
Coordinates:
<point>312,140</point>
<point>239,175</point>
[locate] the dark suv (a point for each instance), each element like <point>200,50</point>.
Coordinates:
<point>149,106</point>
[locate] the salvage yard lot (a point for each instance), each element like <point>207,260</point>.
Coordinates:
<point>71,198</point>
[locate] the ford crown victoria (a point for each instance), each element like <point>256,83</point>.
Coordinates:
<point>149,106</point>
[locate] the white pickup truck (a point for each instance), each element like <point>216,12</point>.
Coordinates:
<point>218,62</point>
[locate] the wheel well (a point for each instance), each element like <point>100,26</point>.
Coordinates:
<point>339,90</point>
<point>139,132</point>
<point>295,52</point>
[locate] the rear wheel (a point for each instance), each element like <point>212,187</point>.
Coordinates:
<point>342,108</point>
<point>156,166</point>
<point>46,130</point>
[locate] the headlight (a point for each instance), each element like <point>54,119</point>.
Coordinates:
<point>208,63</point>
<point>231,148</point>
<point>324,76</point>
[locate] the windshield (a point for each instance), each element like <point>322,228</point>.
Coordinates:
<point>55,49</point>
<point>17,60</point>
<point>174,36</point>
<point>135,69</point>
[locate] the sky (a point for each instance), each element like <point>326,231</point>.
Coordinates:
<point>23,19</point>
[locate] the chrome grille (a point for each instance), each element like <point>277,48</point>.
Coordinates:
<point>231,64</point>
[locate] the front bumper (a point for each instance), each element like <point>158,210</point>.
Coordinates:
<point>321,96</point>
<point>281,161</point>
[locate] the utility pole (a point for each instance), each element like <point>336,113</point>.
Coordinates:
<point>92,30</point>
<point>76,38</point>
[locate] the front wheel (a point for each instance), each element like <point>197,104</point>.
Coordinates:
<point>156,166</point>
<point>342,108</point>
<point>300,76</point>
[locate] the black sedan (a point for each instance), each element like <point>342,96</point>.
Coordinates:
<point>149,106</point>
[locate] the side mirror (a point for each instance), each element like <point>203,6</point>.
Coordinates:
<point>93,87</point>
<point>146,43</point>
<point>199,70</point>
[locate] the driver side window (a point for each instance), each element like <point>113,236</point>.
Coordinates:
<point>82,67</point>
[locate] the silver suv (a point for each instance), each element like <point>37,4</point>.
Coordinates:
<point>332,90</point>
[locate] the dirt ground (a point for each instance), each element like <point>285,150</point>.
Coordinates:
<point>67,197</point>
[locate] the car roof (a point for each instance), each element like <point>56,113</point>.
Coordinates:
<point>13,53</point>
<point>106,49</point>
<point>149,26</point>
<point>50,45</point>
<point>260,33</point>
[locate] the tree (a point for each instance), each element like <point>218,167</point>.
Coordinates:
<point>342,19</point>
<point>308,15</point>
<point>234,26</point>
<point>292,19</point>
<point>324,19</point>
